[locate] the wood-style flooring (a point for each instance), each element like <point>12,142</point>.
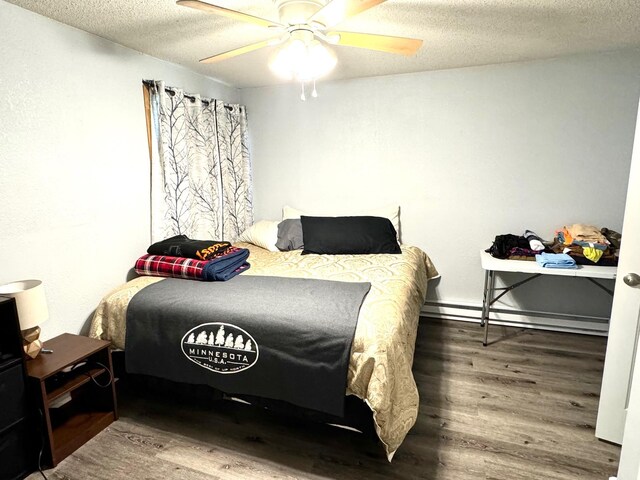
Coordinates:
<point>522,408</point>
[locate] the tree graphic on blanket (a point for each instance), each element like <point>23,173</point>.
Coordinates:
<point>221,339</point>
<point>220,336</point>
<point>202,337</point>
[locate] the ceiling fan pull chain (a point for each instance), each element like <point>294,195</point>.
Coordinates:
<point>303,97</point>
<point>314,93</point>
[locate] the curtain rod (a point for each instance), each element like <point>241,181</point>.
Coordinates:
<point>150,83</point>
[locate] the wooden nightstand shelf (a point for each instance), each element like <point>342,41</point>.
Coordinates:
<point>74,407</point>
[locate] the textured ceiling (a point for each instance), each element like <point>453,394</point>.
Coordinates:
<point>456,33</point>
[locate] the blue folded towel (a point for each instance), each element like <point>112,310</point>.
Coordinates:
<point>226,266</point>
<point>555,260</point>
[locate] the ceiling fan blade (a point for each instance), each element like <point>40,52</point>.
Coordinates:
<point>383,43</point>
<point>225,12</point>
<point>338,10</point>
<point>237,51</point>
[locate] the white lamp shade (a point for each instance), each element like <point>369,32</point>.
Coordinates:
<point>31,302</point>
<point>302,61</point>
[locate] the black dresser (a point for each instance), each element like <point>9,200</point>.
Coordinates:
<point>19,436</point>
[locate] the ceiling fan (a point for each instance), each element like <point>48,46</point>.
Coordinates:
<point>304,26</point>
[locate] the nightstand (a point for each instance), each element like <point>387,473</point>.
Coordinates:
<point>75,391</point>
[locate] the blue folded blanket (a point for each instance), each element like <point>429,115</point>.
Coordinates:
<point>226,266</point>
<point>555,260</point>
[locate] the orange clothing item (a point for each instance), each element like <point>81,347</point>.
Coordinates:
<point>568,238</point>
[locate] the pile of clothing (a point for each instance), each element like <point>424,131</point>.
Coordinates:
<point>572,245</point>
<point>588,245</point>
<point>517,247</point>
<point>182,257</point>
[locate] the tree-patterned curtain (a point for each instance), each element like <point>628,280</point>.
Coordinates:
<point>200,166</point>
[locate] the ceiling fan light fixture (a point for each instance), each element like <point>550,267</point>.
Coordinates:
<point>302,61</point>
<point>293,12</point>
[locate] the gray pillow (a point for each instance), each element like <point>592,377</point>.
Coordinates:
<point>290,235</point>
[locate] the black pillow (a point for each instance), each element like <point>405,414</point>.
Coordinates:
<point>290,235</point>
<point>348,235</point>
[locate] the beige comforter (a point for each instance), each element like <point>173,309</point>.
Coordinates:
<point>383,347</point>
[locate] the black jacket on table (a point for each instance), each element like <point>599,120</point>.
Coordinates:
<point>503,244</point>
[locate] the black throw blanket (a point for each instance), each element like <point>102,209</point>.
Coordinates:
<point>281,338</point>
<point>183,246</point>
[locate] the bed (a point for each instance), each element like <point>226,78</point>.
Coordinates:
<point>381,357</point>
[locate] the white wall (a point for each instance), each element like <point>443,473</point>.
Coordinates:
<point>74,166</point>
<point>467,153</point>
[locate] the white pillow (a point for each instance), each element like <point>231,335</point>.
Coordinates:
<point>263,234</point>
<point>391,212</point>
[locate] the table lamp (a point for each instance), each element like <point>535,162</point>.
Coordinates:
<point>31,305</point>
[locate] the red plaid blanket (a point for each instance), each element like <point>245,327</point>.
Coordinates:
<point>165,266</point>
